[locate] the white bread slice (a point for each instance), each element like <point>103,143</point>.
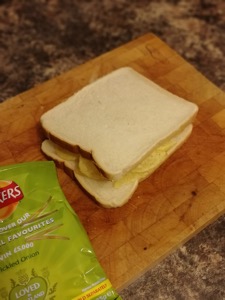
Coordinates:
<point>104,191</point>
<point>118,119</point>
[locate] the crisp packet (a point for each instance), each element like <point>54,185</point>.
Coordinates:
<point>45,252</point>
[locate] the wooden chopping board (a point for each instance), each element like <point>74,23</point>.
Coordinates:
<point>177,201</point>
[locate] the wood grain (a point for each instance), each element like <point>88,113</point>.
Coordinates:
<point>177,201</point>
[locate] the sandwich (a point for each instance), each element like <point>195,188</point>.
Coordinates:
<point>116,132</point>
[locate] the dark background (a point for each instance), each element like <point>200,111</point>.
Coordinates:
<point>40,39</point>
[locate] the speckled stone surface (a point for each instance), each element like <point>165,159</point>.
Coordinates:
<point>40,39</point>
<point>195,271</point>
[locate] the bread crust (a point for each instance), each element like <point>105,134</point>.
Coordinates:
<point>98,188</point>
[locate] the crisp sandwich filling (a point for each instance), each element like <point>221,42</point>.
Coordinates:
<point>88,168</point>
<point>147,166</point>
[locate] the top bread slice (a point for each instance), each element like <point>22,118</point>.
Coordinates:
<point>118,119</point>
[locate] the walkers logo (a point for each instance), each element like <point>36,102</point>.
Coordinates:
<point>10,195</point>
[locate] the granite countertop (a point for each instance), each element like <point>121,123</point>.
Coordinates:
<point>41,39</point>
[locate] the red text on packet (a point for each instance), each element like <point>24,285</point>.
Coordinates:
<point>10,192</point>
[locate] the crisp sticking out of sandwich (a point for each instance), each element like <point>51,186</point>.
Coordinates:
<point>119,128</point>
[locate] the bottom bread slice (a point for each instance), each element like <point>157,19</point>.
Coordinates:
<point>108,193</point>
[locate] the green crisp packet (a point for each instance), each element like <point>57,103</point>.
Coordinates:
<point>45,252</point>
